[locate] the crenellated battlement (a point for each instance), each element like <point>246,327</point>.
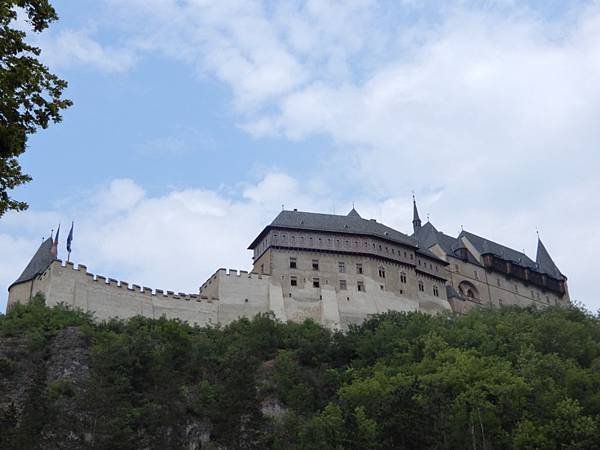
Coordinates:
<point>70,269</point>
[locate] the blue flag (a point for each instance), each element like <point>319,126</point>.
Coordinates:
<point>70,238</point>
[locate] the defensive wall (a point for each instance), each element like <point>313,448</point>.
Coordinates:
<point>226,296</point>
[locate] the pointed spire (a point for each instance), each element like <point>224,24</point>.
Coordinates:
<point>416,218</point>
<point>544,261</point>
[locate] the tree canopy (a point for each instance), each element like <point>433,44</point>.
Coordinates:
<point>30,96</point>
<point>495,379</point>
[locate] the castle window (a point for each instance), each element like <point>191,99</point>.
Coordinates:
<point>381,272</point>
<point>421,286</point>
<point>293,281</point>
<point>381,287</point>
<point>436,291</point>
<point>405,254</point>
<point>293,264</point>
<point>316,283</point>
<point>343,285</point>
<point>379,246</point>
<point>412,256</point>
<point>315,264</point>
<point>402,277</point>
<point>419,262</point>
<point>360,286</point>
<point>342,267</point>
<point>401,292</point>
<point>387,250</point>
<point>359,268</point>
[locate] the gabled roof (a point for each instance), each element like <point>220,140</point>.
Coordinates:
<point>545,263</point>
<point>484,246</point>
<point>350,224</point>
<point>38,264</point>
<point>427,236</point>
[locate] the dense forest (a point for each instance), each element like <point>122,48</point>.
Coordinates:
<point>492,379</point>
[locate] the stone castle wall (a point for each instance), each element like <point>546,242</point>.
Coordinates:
<point>108,298</point>
<point>226,296</point>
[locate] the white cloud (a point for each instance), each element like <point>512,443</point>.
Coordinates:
<point>77,48</point>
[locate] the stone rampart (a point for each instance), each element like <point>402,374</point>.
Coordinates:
<point>107,297</point>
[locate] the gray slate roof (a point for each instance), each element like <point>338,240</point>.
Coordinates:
<point>545,263</point>
<point>486,246</point>
<point>428,236</point>
<point>38,264</point>
<point>352,223</point>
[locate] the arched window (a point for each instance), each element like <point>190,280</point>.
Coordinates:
<point>436,291</point>
<point>421,286</point>
<point>468,290</point>
<point>402,277</point>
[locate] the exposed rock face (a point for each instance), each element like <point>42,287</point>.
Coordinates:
<point>45,383</point>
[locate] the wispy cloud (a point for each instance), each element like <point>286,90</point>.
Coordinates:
<point>78,48</point>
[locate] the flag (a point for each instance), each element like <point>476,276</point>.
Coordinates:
<point>70,238</point>
<point>55,243</point>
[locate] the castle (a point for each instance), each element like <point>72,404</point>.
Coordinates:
<point>334,269</point>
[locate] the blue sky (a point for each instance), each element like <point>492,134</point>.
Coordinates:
<point>194,121</point>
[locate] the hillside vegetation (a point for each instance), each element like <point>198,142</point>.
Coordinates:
<point>499,379</point>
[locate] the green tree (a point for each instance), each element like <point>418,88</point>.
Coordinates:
<point>30,96</point>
